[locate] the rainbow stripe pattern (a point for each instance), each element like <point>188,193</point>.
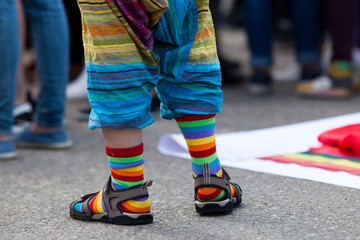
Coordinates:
<point>132,47</point>
<point>126,166</point>
<point>327,162</point>
<point>199,134</point>
<point>126,171</point>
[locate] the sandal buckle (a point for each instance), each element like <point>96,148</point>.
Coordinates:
<point>148,183</point>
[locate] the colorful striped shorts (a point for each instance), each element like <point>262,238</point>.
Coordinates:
<point>132,47</point>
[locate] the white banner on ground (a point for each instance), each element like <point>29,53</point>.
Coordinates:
<point>241,149</point>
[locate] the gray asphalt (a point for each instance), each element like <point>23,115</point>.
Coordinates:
<point>37,188</point>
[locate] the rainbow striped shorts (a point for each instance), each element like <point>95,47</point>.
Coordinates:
<point>132,47</point>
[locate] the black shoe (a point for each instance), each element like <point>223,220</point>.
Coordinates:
<point>260,83</point>
<point>228,64</point>
<point>309,73</point>
<point>155,104</point>
<point>229,72</point>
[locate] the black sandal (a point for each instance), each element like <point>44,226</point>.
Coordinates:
<point>112,200</point>
<point>223,206</point>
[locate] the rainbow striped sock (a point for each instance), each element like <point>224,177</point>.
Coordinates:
<point>199,134</point>
<point>126,171</point>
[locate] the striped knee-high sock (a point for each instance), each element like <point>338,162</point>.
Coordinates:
<point>126,171</point>
<point>199,134</point>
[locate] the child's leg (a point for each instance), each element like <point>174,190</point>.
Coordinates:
<point>121,74</point>
<point>122,138</point>
<point>190,92</point>
<point>199,134</point>
<point>211,197</point>
<point>124,150</point>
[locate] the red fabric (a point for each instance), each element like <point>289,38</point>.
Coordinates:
<point>124,209</point>
<point>202,154</point>
<point>351,143</point>
<point>127,178</point>
<point>334,136</point>
<point>91,204</point>
<point>125,152</point>
<point>343,141</point>
<point>190,117</point>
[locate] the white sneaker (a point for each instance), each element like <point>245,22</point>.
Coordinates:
<point>78,88</point>
<point>289,73</point>
<point>22,115</point>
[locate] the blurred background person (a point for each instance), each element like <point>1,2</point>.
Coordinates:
<point>51,39</point>
<point>77,87</point>
<point>229,68</point>
<point>259,26</point>
<point>340,20</point>
<point>23,109</point>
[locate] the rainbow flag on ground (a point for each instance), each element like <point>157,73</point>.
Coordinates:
<point>340,151</point>
<point>286,151</point>
<point>331,163</point>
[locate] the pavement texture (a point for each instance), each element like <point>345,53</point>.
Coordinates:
<point>37,188</point>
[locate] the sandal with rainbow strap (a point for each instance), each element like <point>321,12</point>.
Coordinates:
<point>112,200</point>
<point>209,180</point>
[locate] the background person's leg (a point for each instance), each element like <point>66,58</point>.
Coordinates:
<point>21,91</point>
<point>9,52</point>
<point>341,19</point>
<point>49,28</point>
<point>306,31</point>
<point>50,32</point>
<point>341,24</point>
<point>259,30</point>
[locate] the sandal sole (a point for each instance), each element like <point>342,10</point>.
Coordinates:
<point>216,207</point>
<point>63,145</point>
<point>7,156</point>
<point>213,208</point>
<point>121,220</point>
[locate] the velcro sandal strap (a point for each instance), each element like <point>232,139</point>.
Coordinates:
<point>112,198</point>
<point>208,180</point>
<point>85,206</point>
<point>88,195</point>
<point>85,200</point>
<point>131,193</point>
<point>211,182</point>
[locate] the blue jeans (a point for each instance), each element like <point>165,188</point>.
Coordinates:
<point>305,29</point>
<point>357,45</point>
<point>49,28</point>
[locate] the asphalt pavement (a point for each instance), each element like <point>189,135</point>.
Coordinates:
<point>37,188</point>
